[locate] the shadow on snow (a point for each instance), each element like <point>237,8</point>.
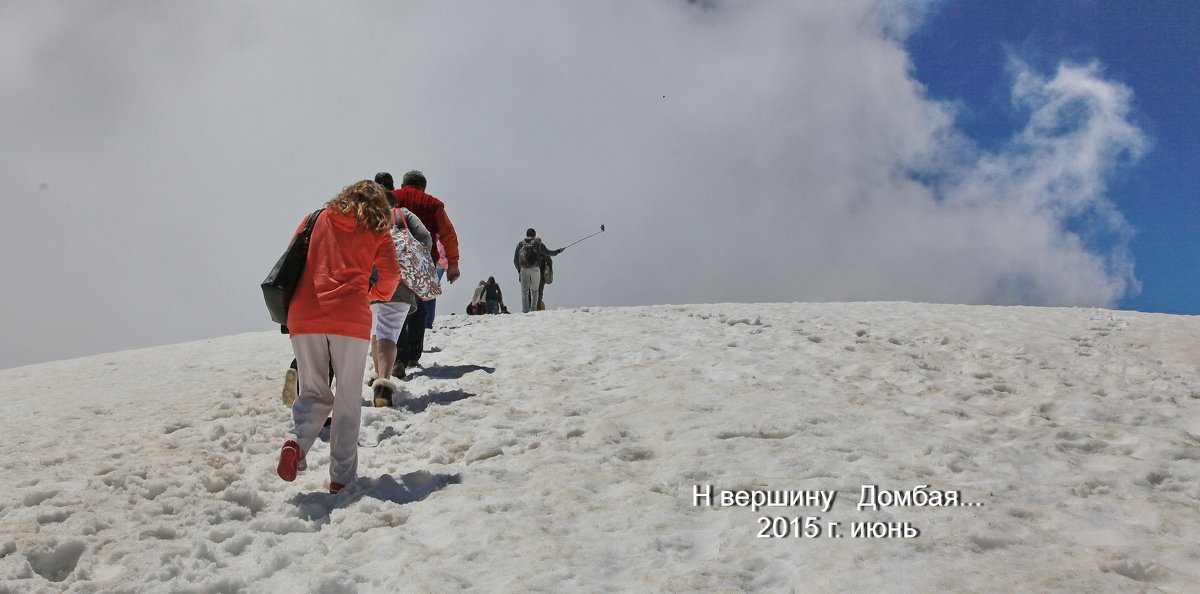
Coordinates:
<point>409,488</point>
<point>450,371</point>
<point>417,405</point>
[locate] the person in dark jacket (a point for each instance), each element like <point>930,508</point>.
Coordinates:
<point>493,296</point>
<point>528,259</point>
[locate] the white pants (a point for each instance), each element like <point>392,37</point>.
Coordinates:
<point>314,353</point>
<point>531,278</point>
<point>388,320</point>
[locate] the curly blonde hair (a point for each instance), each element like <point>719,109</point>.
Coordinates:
<point>367,202</point>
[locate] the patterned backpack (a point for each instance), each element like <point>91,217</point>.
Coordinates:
<point>417,270</point>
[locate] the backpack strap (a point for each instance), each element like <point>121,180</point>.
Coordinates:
<point>310,223</point>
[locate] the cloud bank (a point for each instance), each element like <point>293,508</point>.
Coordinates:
<point>161,155</point>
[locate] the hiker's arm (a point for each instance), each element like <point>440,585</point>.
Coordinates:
<point>389,270</point>
<point>418,230</point>
<point>449,239</point>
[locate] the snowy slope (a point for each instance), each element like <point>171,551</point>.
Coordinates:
<point>562,451</point>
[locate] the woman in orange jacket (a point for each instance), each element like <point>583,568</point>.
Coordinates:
<point>329,320</point>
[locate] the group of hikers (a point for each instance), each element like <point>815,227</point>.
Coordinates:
<point>487,299</point>
<point>535,269</point>
<point>351,303</point>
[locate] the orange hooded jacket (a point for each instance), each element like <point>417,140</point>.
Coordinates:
<point>334,292</point>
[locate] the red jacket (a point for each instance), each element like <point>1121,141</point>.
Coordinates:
<point>334,293</point>
<point>432,213</point>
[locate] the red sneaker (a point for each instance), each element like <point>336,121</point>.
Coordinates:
<point>289,461</point>
<point>335,487</point>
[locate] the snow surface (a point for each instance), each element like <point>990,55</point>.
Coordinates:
<point>561,451</point>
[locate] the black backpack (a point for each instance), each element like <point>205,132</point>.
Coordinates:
<point>529,255</point>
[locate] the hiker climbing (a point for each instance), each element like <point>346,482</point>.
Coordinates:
<point>329,319</point>
<point>432,212</point>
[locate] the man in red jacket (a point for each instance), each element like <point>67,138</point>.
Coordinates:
<point>432,213</point>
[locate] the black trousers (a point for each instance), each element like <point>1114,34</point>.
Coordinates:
<point>296,367</point>
<point>411,342</point>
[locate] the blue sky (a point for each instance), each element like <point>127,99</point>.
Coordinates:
<point>1151,46</point>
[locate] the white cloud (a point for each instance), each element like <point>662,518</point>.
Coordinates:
<point>736,151</point>
<point>1048,188</point>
